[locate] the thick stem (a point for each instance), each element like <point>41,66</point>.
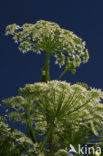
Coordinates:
<point>47,65</point>
<point>62,74</point>
<point>47,136</point>
<point>50,139</point>
<point>51,147</point>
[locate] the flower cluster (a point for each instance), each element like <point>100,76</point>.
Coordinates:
<point>16,142</point>
<point>70,107</point>
<point>44,36</point>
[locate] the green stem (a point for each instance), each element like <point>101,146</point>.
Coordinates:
<point>62,74</point>
<point>31,126</point>
<point>47,136</point>
<point>51,146</point>
<point>32,131</point>
<point>47,65</point>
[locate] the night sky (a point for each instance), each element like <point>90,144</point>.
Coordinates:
<point>83,17</point>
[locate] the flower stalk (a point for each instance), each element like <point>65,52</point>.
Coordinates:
<point>47,65</point>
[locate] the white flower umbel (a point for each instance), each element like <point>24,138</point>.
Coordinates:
<point>72,110</point>
<point>46,36</point>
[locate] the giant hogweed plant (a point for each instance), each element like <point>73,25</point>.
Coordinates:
<point>59,112</point>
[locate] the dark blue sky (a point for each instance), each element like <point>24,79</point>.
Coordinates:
<point>83,17</point>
